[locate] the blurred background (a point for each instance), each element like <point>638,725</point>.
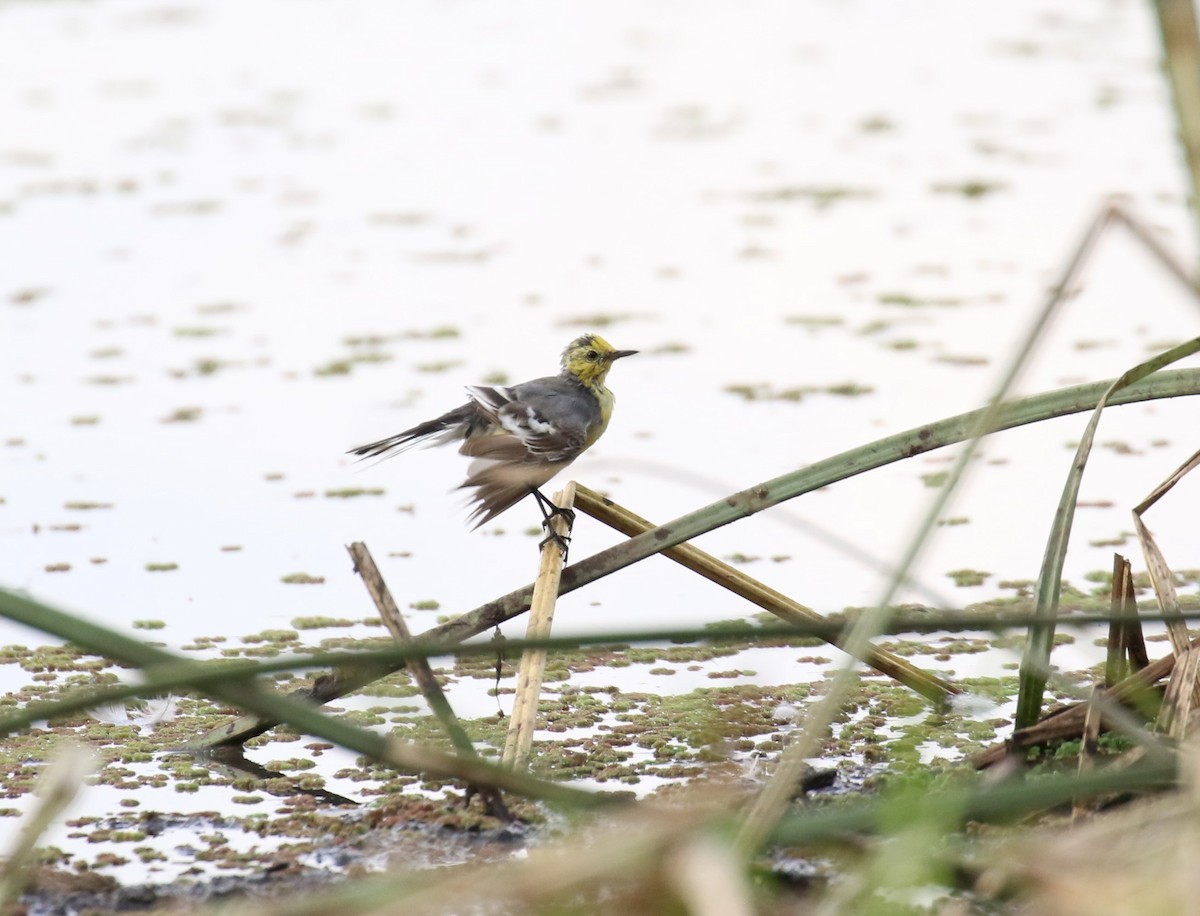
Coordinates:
<point>239,238</point>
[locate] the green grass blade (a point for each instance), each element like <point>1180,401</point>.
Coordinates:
<point>1035,663</point>
<point>248,694</point>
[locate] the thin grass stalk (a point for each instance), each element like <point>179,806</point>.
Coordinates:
<point>1162,254</point>
<point>994,803</point>
<point>198,674</point>
<point>848,464</point>
<point>1036,660</point>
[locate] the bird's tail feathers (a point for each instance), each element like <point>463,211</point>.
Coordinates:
<point>446,428</point>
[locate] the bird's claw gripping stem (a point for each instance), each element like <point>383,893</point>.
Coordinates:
<point>549,512</point>
<point>561,541</point>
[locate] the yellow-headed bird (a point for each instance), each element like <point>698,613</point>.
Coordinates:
<point>522,435</point>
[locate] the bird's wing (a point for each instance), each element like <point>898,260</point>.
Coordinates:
<point>543,420</point>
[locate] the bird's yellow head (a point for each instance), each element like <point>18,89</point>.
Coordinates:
<point>588,358</point>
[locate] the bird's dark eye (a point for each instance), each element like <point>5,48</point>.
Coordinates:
<point>593,355</point>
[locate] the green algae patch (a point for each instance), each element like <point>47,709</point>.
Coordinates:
<point>819,196</point>
<point>321,623</point>
<point>766,392</point>
<point>561,665</point>
<point>815,321</point>
<point>274,637</point>
<point>437,366</point>
<point>965,578</point>
<point>183,415</point>
<point>302,578</point>
<point>973,189</point>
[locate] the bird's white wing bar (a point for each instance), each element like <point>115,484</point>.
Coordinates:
<point>542,437</point>
<point>490,397</point>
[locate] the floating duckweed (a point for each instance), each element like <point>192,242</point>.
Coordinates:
<point>320,623</point>
<point>964,578</point>
<point>972,190</point>
<point>300,578</point>
<point>196,332</point>
<point>438,366</point>
<point>281,637</point>
<point>183,415</point>
<point>352,492</point>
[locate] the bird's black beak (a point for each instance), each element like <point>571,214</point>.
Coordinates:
<point>620,354</point>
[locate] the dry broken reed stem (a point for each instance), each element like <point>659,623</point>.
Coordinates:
<point>419,668</point>
<point>1126,642</point>
<point>1067,721</point>
<point>1161,577</point>
<point>1088,747</point>
<point>1181,695</point>
<point>1179,700</point>
<point>521,724</point>
<point>615,516</point>
<point>421,672</point>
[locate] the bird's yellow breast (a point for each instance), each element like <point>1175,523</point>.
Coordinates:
<point>605,399</point>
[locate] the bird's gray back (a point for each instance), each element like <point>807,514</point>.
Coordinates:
<point>562,401</point>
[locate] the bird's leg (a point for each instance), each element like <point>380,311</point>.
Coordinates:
<point>549,512</point>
